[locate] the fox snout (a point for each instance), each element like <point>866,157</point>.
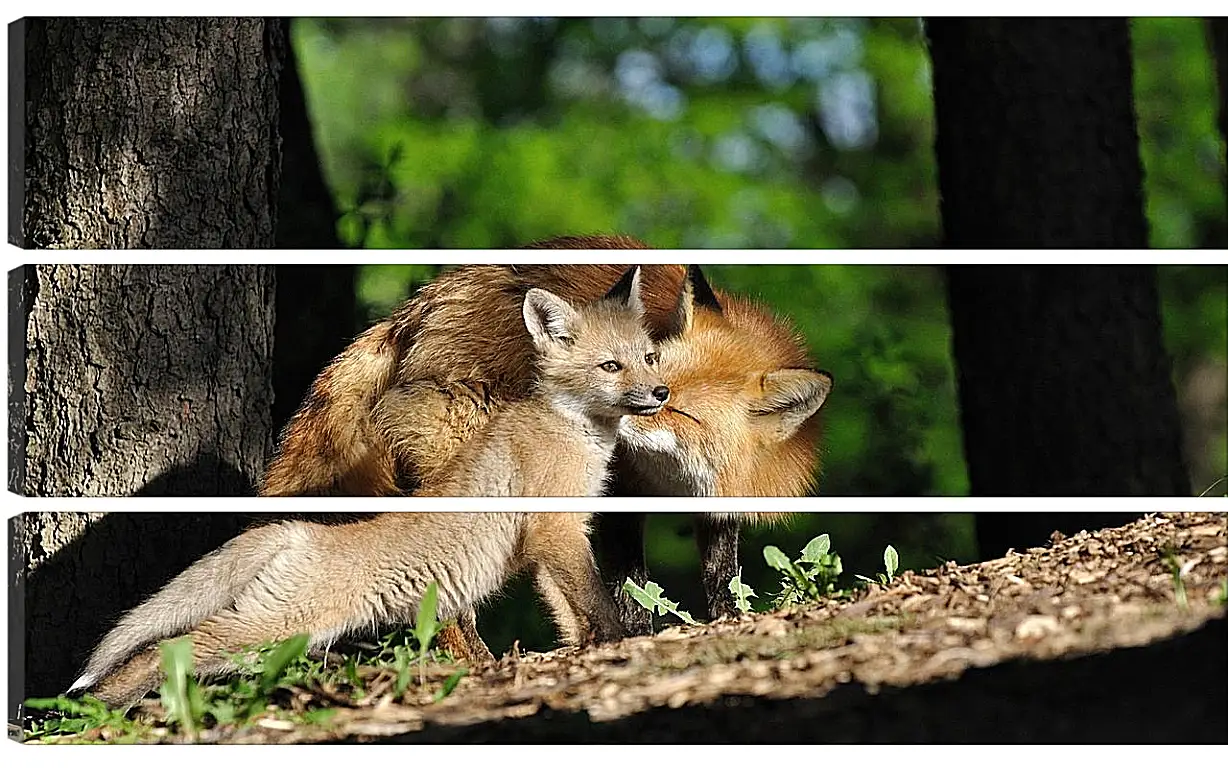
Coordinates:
<point>645,401</point>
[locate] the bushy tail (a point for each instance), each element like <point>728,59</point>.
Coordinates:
<point>330,446</point>
<point>206,587</point>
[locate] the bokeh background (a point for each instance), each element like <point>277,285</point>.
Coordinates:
<point>744,133</point>
<point>732,133</point>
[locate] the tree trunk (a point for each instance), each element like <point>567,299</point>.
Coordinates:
<point>138,133</point>
<point>1218,29</point>
<point>72,574</point>
<point>306,216</point>
<point>148,132</point>
<point>315,304</point>
<point>1064,385</point>
<point>315,321</point>
<point>130,379</point>
<point>1037,145</point>
<point>1065,390</point>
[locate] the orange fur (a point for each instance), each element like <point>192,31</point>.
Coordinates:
<point>464,331</point>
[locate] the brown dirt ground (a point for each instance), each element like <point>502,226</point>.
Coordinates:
<point>1082,641</point>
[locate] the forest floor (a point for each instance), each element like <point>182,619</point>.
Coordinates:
<point>1116,635</point>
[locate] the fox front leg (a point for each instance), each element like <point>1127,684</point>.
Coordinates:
<point>717,538</point>
<point>621,539</point>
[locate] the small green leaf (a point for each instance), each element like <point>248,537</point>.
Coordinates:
<point>815,549</point>
<point>639,595</point>
<point>179,693</point>
<point>449,685</point>
<point>891,559</point>
<point>319,716</point>
<point>685,616</point>
<point>777,559</point>
<point>652,597</point>
<point>401,659</point>
<point>741,592</point>
<point>279,657</point>
<point>224,711</point>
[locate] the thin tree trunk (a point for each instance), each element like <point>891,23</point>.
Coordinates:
<point>148,132</point>
<point>315,304</point>
<point>306,215</point>
<point>315,321</point>
<point>1218,29</point>
<point>1036,138</point>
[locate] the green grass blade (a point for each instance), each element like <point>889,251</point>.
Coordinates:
<point>279,658</point>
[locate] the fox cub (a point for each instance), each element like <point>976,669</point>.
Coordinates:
<point>596,366</point>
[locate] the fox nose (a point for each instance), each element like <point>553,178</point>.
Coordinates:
<point>661,393</point>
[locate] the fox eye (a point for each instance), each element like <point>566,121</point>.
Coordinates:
<point>651,358</point>
<point>610,366</point>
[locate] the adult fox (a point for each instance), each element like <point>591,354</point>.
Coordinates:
<point>394,406</point>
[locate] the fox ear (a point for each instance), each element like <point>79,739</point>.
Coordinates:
<point>548,317</point>
<point>695,292</point>
<point>627,291</point>
<point>704,295</point>
<point>790,396</point>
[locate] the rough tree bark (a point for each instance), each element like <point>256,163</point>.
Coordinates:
<point>147,132</point>
<point>124,380</point>
<point>1064,384</point>
<point>140,380</point>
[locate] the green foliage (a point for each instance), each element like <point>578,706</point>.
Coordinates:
<point>891,562</point>
<point>811,576</point>
<point>425,628</point>
<point>253,690</point>
<point>1178,576</point>
<point>741,592</point>
<point>180,694</point>
<point>1180,145</point>
<point>278,659</point>
<point>450,684</point>
<point>69,717</point>
<point>652,597</point>
<point>688,132</point>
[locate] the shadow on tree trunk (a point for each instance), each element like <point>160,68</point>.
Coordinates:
<point>58,612</point>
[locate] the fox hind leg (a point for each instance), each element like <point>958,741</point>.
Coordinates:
<point>462,639</point>
<point>572,628</point>
<point>425,423</point>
